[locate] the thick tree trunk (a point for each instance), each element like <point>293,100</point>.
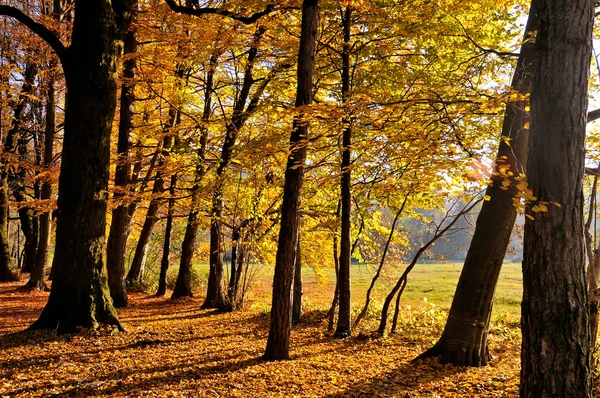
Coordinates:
<point>556,350</point>
<point>164,261</point>
<point>344,328</point>
<point>80,295</point>
<point>122,215</point>
<point>36,280</point>
<point>297,297</point>
<point>278,342</point>
<point>464,339</point>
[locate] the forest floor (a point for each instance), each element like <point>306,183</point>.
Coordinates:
<point>172,348</point>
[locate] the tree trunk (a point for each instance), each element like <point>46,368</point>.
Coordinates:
<point>297,298</point>
<point>556,350</point>
<point>164,261</point>
<point>344,328</point>
<point>30,245</point>
<point>136,271</point>
<point>26,216</point>
<point>183,286</point>
<point>214,292</point>
<point>80,296</point>
<point>6,275</point>
<point>464,339</point>
<point>122,215</point>
<point>278,342</point>
<point>36,280</point>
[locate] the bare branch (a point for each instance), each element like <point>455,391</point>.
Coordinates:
<point>593,115</point>
<point>211,10</point>
<point>42,31</point>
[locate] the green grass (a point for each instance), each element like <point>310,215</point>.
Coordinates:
<point>428,284</point>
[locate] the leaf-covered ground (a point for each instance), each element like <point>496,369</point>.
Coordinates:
<point>176,349</point>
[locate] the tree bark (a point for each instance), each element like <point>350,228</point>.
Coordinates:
<point>297,297</point>
<point>344,328</point>
<point>122,214</point>
<point>464,339</point>
<point>80,296</point>
<point>556,350</point>
<point>278,342</point>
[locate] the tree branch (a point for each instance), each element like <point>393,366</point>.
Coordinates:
<point>211,10</point>
<point>42,31</point>
<point>593,115</point>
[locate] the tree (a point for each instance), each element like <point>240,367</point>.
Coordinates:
<point>183,286</point>
<point>36,279</point>
<point>122,214</point>
<point>464,339</point>
<point>278,342</point>
<point>555,351</point>
<point>241,111</point>
<point>9,147</point>
<point>343,328</point>
<point>79,295</point>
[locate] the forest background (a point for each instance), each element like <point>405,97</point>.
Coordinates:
<point>412,115</point>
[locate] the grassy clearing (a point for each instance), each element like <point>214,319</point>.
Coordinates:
<point>431,284</point>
